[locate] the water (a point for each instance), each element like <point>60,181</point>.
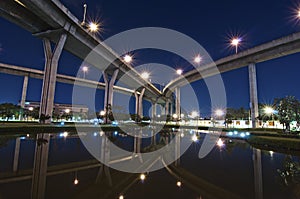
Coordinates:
<point>232,170</point>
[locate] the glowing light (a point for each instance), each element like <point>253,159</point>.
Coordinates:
<point>102,113</point>
<point>235,132</point>
<point>271,153</point>
<point>101,133</point>
<point>243,135</point>
<point>67,111</point>
<point>178,184</point>
<point>30,108</point>
<point>142,177</point>
<point>268,110</point>
<point>198,59</point>
<point>127,58</point>
<point>219,112</point>
<point>247,133</point>
<point>76,181</point>
<point>194,114</point>
<point>195,138</point>
<point>145,75</point>
<point>85,69</point>
<point>179,71</point>
<point>182,135</point>
<point>64,134</point>
<point>121,197</point>
<point>175,116</point>
<point>95,134</point>
<point>230,134</point>
<point>27,135</point>
<point>93,27</point>
<point>220,143</point>
<point>236,42</point>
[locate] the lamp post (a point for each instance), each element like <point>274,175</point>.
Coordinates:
<point>236,42</point>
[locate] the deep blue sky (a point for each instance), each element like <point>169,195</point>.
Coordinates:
<point>208,22</point>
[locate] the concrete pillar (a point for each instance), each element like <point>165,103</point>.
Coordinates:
<point>49,80</point>
<point>253,94</point>
<point>109,92</point>
<point>177,102</point>
<point>167,108</point>
<point>258,183</point>
<point>24,91</point>
<point>16,155</point>
<point>153,113</point>
<point>139,102</point>
<point>40,166</point>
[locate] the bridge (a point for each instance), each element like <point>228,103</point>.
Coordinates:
<point>271,50</point>
<point>53,22</point>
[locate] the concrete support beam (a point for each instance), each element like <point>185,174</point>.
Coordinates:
<point>49,80</point>
<point>40,166</point>
<point>16,155</point>
<point>139,102</point>
<point>167,108</point>
<point>153,112</point>
<point>253,94</point>
<point>177,102</point>
<point>109,92</point>
<point>24,91</point>
<point>258,182</point>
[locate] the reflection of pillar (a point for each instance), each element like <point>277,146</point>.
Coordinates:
<point>258,183</point>
<point>177,148</point>
<point>105,158</point>
<point>16,156</point>
<point>167,107</point>
<point>139,103</point>
<point>109,92</point>
<point>40,166</point>
<point>153,138</point>
<point>49,81</point>
<point>177,102</point>
<point>253,94</point>
<point>138,144</point>
<point>24,91</point>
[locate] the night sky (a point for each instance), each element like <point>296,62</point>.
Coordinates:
<point>211,23</point>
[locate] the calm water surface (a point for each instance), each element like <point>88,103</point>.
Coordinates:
<point>235,169</point>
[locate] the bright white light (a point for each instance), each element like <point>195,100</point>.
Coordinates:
<point>179,71</point>
<point>142,177</point>
<point>268,110</point>
<point>198,59</point>
<point>145,75</point>
<point>219,112</point>
<point>194,114</point>
<point>127,58</point>
<point>85,69</point>
<point>27,135</point>
<point>175,116</point>
<point>220,143</point>
<point>76,181</point>
<point>271,153</point>
<point>298,13</point>
<point>182,115</point>
<point>93,27</point>
<point>102,113</point>
<point>182,135</point>
<point>178,184</point>
<point>243,135</point>
<point>121,197</point>
<point>65,134</point>
<point>67,111</point>
<point>101,133</point>
<point>235,41</point>
<point>195,138</point>
<point>30,108</point>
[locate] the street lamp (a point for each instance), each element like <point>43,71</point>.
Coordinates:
<point>179,71</point>
<point>127,58</point>
<point>145,75</point>
<point>93,27</point>
<point>198,59</point>
<point>236,42</point>
<point>85,70</point>
<point>219,112</point>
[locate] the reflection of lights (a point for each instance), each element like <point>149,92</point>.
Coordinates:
<point>194,114</point>
<point>235,132</point>
<point>179,71</point>
<point>95,134</point>
<point>243,135</point>
<point>145,75</point>
<point>182,115</point>
<point>220,143</point>
<point>195,138</point>
<point>247,133</point>
<point>67,111</point>
<point>198,59</point>
<point>27,135</point>
<point>64,134</point>
<point>219,112</point>
<point>127,58</point>
<point>116,133</point>
<point>76,181</point>
<point>121,197</point>
<point>175,116</point>
<point>182,135</point>
<point>271,153</point>
<point>30,108</point>
<point>178,184</point>
<point>230,133</point>
<point>101,133</point>
<point>142,177</point>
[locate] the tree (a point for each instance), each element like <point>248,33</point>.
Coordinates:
<point>288,111</point>
<point>7,110</point>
